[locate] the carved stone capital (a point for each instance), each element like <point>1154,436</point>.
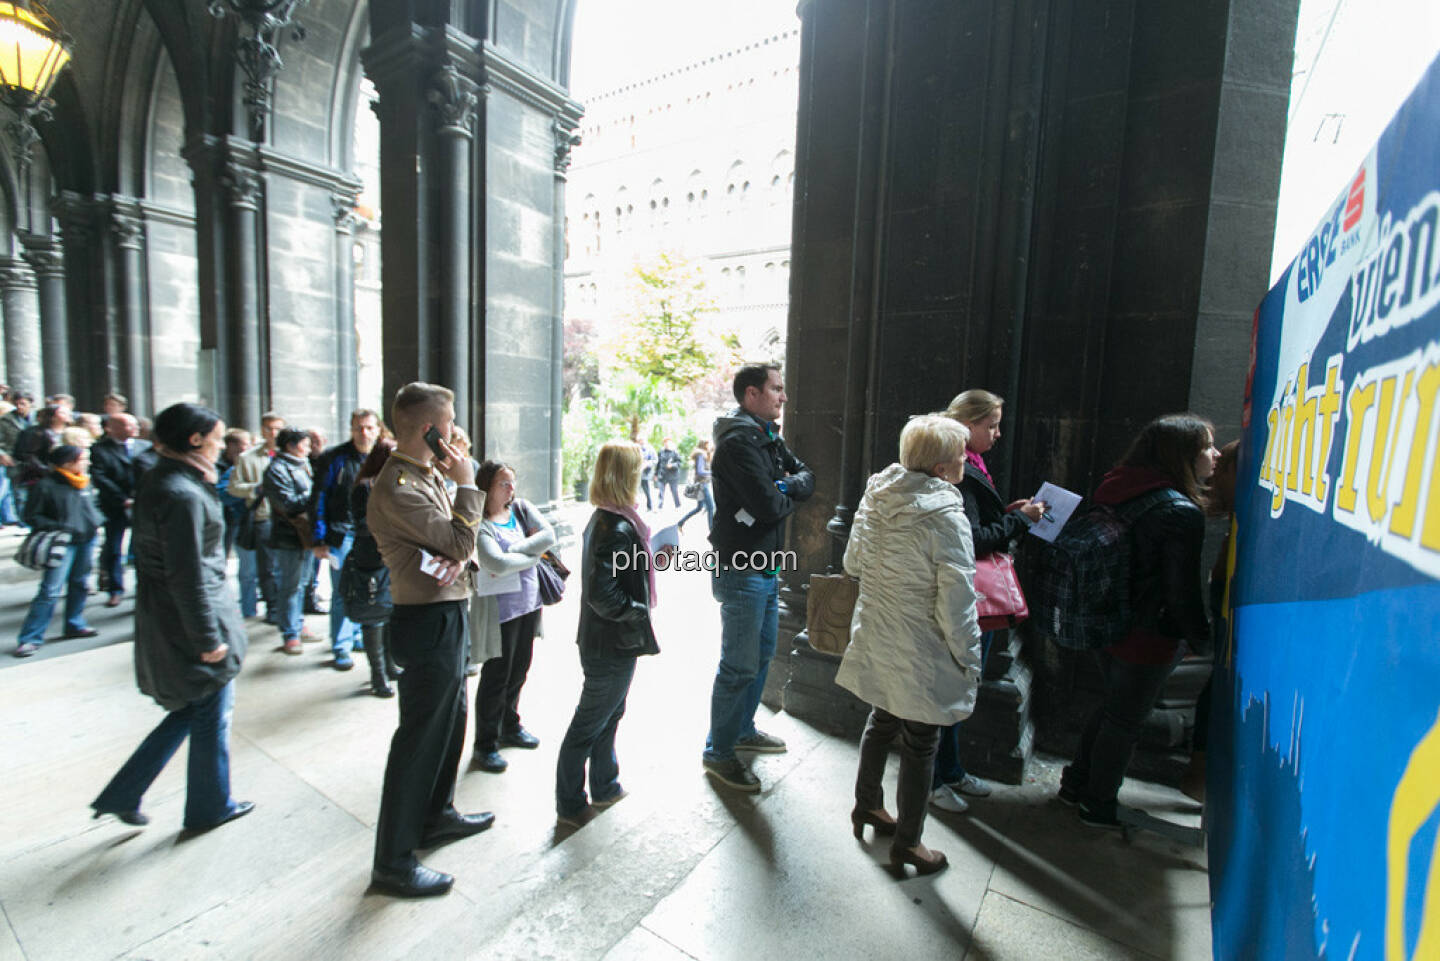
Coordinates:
<point>342,211</point>
<point>128,230</point>
<point>46,258</point>
<point>241,186</point>
<point>15,275</point>
<point>454,98</point>
<point>566,140</point>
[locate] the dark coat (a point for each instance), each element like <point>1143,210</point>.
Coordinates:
<point>182,605</point>
<point>749,459</point>
<point>364,552</point>
<point>287,489</point>
<point>112,469</point>
<point>667,466</point>
<point>991,526</point>
<point>55,505</point>
<point>335,473</point>
<point>31,447</point>
<point>614,603</point>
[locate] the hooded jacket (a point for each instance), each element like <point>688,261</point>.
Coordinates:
<point>1167,601</point>
<point>750,510</point>
<point>915,634</point>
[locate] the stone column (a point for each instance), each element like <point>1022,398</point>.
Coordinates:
<point>566,140</point>
<point>47,258</point>
<point>454,101</point>
<point>242,192</point>
<point>347,392</point>
<point>129,237</point>
<point>22,328</point>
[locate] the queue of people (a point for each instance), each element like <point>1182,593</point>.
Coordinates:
<point>436,561</point>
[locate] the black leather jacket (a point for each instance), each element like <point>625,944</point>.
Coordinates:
<point>287,488</point>
<point>614,599</point>
<point>991,526</point>
<point>1166,595</point>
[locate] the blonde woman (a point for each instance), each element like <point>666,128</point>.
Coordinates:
<point>914,651</point>
<point>617,584</point>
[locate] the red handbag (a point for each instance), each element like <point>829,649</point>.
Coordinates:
<point>999,599</point>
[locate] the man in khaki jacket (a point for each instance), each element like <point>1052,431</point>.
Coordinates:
<point>245,483</point>
<point>427,543</point>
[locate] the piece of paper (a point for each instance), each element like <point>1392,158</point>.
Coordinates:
<point>487,584</point>
<point>429,563</point>
<point>1060,504</point>
<point>745,517</point>
<point>665,537</point>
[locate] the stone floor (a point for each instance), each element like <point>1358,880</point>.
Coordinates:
<point>679,870</point>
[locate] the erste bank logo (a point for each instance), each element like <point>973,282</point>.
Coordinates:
<point>1335,237</point>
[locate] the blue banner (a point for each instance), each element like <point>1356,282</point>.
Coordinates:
<point>1323,817</point>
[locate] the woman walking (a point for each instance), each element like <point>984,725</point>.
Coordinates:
<point>287,484</point>
<point>700,466</point>
<point>614,630</point>
<point>513,535</point>
<point>189,640</point>
<point>914,651</point>
<point>1168,465</point>
<point>994,525</point>
<point>367,580</point>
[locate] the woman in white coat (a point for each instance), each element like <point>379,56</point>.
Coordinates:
<point>914,651</point>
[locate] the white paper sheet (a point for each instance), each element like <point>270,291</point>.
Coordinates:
<point>1061,504</point>
<point>665,537</point>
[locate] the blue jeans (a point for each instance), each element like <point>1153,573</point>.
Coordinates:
<point>74,569</point>
<point>949,769</point>
<point>343,631</point>
<point>289,597</point>
<point>706,503</point>
<point>749,623</point>
<point>592,734</point>
<point>249,581</point>
<point>9,514</point>
<point>207,791</point>
<point>112,558</point>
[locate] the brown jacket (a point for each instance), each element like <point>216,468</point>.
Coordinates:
<point>409,510</point>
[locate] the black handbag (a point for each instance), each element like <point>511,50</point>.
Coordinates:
<point>366,593</point>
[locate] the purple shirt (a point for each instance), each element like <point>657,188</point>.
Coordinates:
<point>527,599</point>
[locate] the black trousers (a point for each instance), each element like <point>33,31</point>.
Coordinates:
<point>1108,741</point>
<point>497,697</point>
<point>431,642</point>
<point>918,743</point>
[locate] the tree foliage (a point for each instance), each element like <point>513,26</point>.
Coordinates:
<point>666,339</point>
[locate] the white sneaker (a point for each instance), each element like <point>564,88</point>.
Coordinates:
<point>945,799</point>
<point>971,785</point>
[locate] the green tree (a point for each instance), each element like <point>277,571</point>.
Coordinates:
<point>666,340</point>
<point>635,400</point>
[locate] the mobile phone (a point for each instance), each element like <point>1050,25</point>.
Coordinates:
<point>433,438</point>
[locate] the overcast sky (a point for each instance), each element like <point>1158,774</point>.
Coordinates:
<point>617,41</point>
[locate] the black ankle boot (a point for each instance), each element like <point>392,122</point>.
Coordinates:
<point>391,668</point>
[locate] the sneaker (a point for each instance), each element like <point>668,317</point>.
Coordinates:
<point>1069,795</point>
<point>612,800</point>
<point>761,743</point>
<point>519,738</point>
<point>292,646</point>
<point>26,649</point>
<point>1099,814</point>
<point>971,785</point>
<point>309,636</point>
<point>945,798</point>
<point>731,773</point>
<point>471,670</point>
<point>343,661</point>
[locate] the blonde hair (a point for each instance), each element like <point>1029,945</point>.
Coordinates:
<point>417,402</point>
<point>616,479</point>
<point>931,439</point>
<point>973,405</point>
<point>76,436</point>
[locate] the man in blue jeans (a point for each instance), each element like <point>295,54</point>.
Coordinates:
<point>757,482</point>
<point>335,474</point>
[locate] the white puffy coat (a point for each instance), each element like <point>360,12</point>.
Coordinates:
<point>915,635</point>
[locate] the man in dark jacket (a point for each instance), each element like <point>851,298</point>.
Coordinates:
<point>334,532</point>
<point>12,424</point>
<point>757,484</point>
<point>667,471</point>
<point>62,500</point>
<point>112,467</point>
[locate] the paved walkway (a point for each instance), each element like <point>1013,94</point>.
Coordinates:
<point>678,870</point>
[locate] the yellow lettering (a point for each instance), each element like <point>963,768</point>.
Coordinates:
<point>1430,532</point>
<point>1383,453</point>
<point>1402,519</point>
<point>1416,797</point>
<point>1272,419</point>
<point>1361,400</point>
<point>1302,425</point>
<point>1277,470</point>
<point>1329,407</point>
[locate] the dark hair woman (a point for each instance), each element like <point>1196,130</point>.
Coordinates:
<point>1169,463</point>
<point>63,499</point>
<point>189,640</point>
<point>365,579</point>
<point>700,468</point>
<point>287,484</point>
<point>512,538</point>
<point>615,602</point>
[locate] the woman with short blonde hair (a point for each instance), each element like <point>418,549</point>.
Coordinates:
<point>617,584</point>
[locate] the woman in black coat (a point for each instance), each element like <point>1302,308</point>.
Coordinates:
<point>287,484</point>
<point>994,525</point>
<point>617,584</point>
<point>189,640</point>
<point>365,578</point>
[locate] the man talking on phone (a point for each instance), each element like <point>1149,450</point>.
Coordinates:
<point>426,541</point>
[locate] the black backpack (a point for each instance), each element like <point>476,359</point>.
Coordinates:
<point>1081,583</point>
